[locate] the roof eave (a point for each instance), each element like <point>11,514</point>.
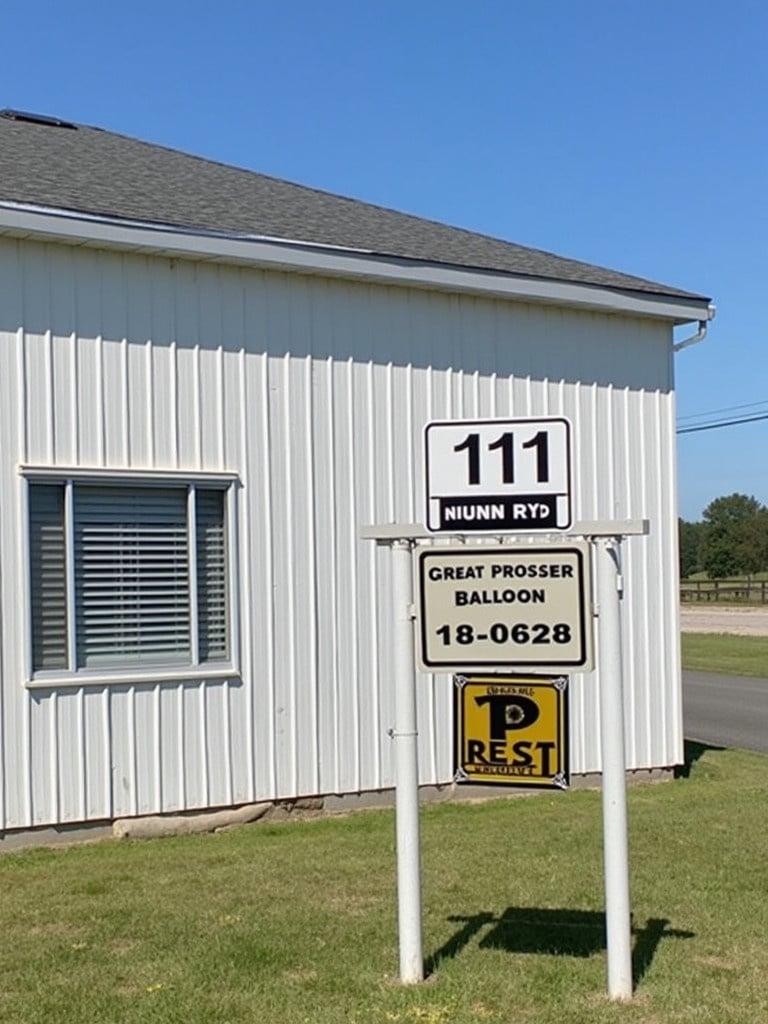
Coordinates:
<point>74,228</point>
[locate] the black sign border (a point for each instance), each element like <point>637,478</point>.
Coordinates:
<point>500,420</point>
<point>479,666</point>
<point>460,681</point>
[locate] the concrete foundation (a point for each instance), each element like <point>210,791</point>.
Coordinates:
<point>223,819</point>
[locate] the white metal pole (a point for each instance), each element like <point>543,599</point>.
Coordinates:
<point>615,841</point>
<point>406,771</point>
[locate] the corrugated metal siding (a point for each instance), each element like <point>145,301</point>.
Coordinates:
<point>315,392</point>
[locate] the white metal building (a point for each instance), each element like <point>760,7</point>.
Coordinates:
<point>209,380</point>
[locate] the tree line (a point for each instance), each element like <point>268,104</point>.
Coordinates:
<point>731,539</point>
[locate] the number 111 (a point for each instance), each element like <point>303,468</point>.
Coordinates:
<point>506,443</point>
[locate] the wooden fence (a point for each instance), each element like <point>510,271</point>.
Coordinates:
<point>753,591</point>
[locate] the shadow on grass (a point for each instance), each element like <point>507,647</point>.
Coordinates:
<point>692,752</point>
<point>577,933</point>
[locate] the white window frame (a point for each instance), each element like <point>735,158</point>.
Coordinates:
<point>229,483</point>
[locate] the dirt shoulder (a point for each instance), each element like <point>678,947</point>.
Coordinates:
<point>741,621</point>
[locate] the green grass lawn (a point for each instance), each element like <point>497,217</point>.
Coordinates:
<point>723,652</point>
<point>295,922</point>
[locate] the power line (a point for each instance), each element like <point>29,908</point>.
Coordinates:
<point>727,408</point>
<point>722,423</point>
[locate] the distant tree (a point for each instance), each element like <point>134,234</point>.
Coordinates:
<point>728,537</point>
<point>753,547</point>
<point>731,509</point>
<point>690,543</point>
<point>719,558</point>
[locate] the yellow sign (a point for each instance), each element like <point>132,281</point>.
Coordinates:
<point>512,730</point>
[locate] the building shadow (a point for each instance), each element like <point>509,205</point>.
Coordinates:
<point>576,933</point>
<point>692,752</point>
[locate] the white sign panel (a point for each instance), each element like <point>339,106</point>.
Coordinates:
<point>520,606</point>
<point>498,475</point>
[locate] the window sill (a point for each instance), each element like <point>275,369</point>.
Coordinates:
<point>166,674</point>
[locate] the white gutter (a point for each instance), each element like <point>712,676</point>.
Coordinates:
<point>49,224</point>
<point>700,335</point>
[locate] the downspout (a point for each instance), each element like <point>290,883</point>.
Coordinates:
<point>700,335</point>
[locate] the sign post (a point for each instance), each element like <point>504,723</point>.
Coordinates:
<point>510,607</point>
<point>614,782</point>
<point>604,538</point>
<point>405,735</point>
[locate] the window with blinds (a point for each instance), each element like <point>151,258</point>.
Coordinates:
<point>145,561</point>
<point>212,612</point>
<point>131,576</point>
<point>49,576</point>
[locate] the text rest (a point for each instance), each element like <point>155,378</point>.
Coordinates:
<point>522,754</point>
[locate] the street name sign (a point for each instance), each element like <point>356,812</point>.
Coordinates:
<point>498,475</point>
<point>517,606</point>
<point>511,730</point>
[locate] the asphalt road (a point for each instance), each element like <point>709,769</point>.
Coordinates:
<point>726,711</point>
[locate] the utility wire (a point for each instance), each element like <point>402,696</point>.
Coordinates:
<point>727,408</point>
<point>722,423</point>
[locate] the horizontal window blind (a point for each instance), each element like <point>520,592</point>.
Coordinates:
<point>131,576</point>
<point>138,561</point>
<point>212,611</point>
<point>48,576</point>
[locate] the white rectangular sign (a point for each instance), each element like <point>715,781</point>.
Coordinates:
<point>512,607</point>
<point>498,475</point>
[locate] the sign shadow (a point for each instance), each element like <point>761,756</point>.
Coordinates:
<point>693,751</point>
<point>558,932</point>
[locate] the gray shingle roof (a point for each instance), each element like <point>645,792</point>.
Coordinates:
<point>98,172</point>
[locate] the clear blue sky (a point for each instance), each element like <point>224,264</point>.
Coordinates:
<point>632,135</point>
